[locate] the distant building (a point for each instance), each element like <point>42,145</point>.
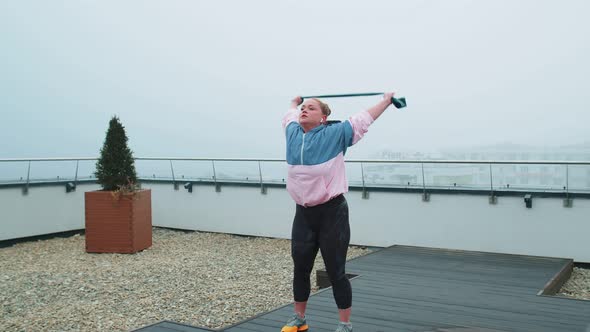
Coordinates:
<point>549,177</point>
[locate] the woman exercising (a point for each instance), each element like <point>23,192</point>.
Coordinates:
<point>317,181</point>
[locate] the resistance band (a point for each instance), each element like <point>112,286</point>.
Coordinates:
<point>397,102</point>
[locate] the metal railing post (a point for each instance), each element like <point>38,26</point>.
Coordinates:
<point>26,187</point>
<point>492,199</point>
<point>173,178</point>
<point>567,202</point>
<point>72,186</point>
<point>567,179</point>
<point>262,187</point>
<point>217,186</point>
<point>365,192</point>
<point>425,195</point>
<point>76,175</point>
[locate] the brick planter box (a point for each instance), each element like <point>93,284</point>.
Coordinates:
<point>118,224</point>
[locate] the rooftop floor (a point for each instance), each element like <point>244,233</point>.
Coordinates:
<point>420,289</point>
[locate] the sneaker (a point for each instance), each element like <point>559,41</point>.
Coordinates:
<point>344,328</point>
<point>295,324</point>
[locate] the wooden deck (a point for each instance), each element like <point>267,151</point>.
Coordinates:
<point>433,290</point>
<point>167,326</point>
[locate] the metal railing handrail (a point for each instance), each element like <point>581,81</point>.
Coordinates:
<point>46,159</point>
<point>370,161</point>
<point>362,162</point>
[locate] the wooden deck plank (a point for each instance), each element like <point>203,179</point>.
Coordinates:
<point>167,326</point>
<point>403,288</point>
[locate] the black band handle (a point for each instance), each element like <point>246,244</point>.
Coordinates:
<point>399,102</point>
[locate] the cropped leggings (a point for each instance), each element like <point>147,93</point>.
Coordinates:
<point>324,227</point>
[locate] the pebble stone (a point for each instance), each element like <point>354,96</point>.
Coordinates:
<point>578,285</point>
<point>197,278</point>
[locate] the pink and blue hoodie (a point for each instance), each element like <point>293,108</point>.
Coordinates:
<point>316,171</point>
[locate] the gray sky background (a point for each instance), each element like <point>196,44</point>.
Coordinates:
<point>213,78</point>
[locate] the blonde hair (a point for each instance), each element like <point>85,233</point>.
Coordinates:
<point>324,107</point>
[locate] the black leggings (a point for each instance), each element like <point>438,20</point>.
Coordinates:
<point>324,227</point>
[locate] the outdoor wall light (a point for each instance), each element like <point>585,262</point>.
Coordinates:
<point>528,200</point>
<point>189,186</point>
<point>70,186</point>
<point>493,199</point>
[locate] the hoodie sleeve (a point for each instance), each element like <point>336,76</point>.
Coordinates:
<point>360,123</point>
<point>291,116</point>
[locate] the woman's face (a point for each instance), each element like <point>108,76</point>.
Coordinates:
<point>311,114</point>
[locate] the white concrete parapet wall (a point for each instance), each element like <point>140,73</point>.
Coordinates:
<point>44,210</point>
<point>457,221</point>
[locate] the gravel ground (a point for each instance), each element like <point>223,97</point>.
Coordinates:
<point>578,286</point>
<point>202,279</point>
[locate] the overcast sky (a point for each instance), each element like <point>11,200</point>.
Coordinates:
<point>213,78</point>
